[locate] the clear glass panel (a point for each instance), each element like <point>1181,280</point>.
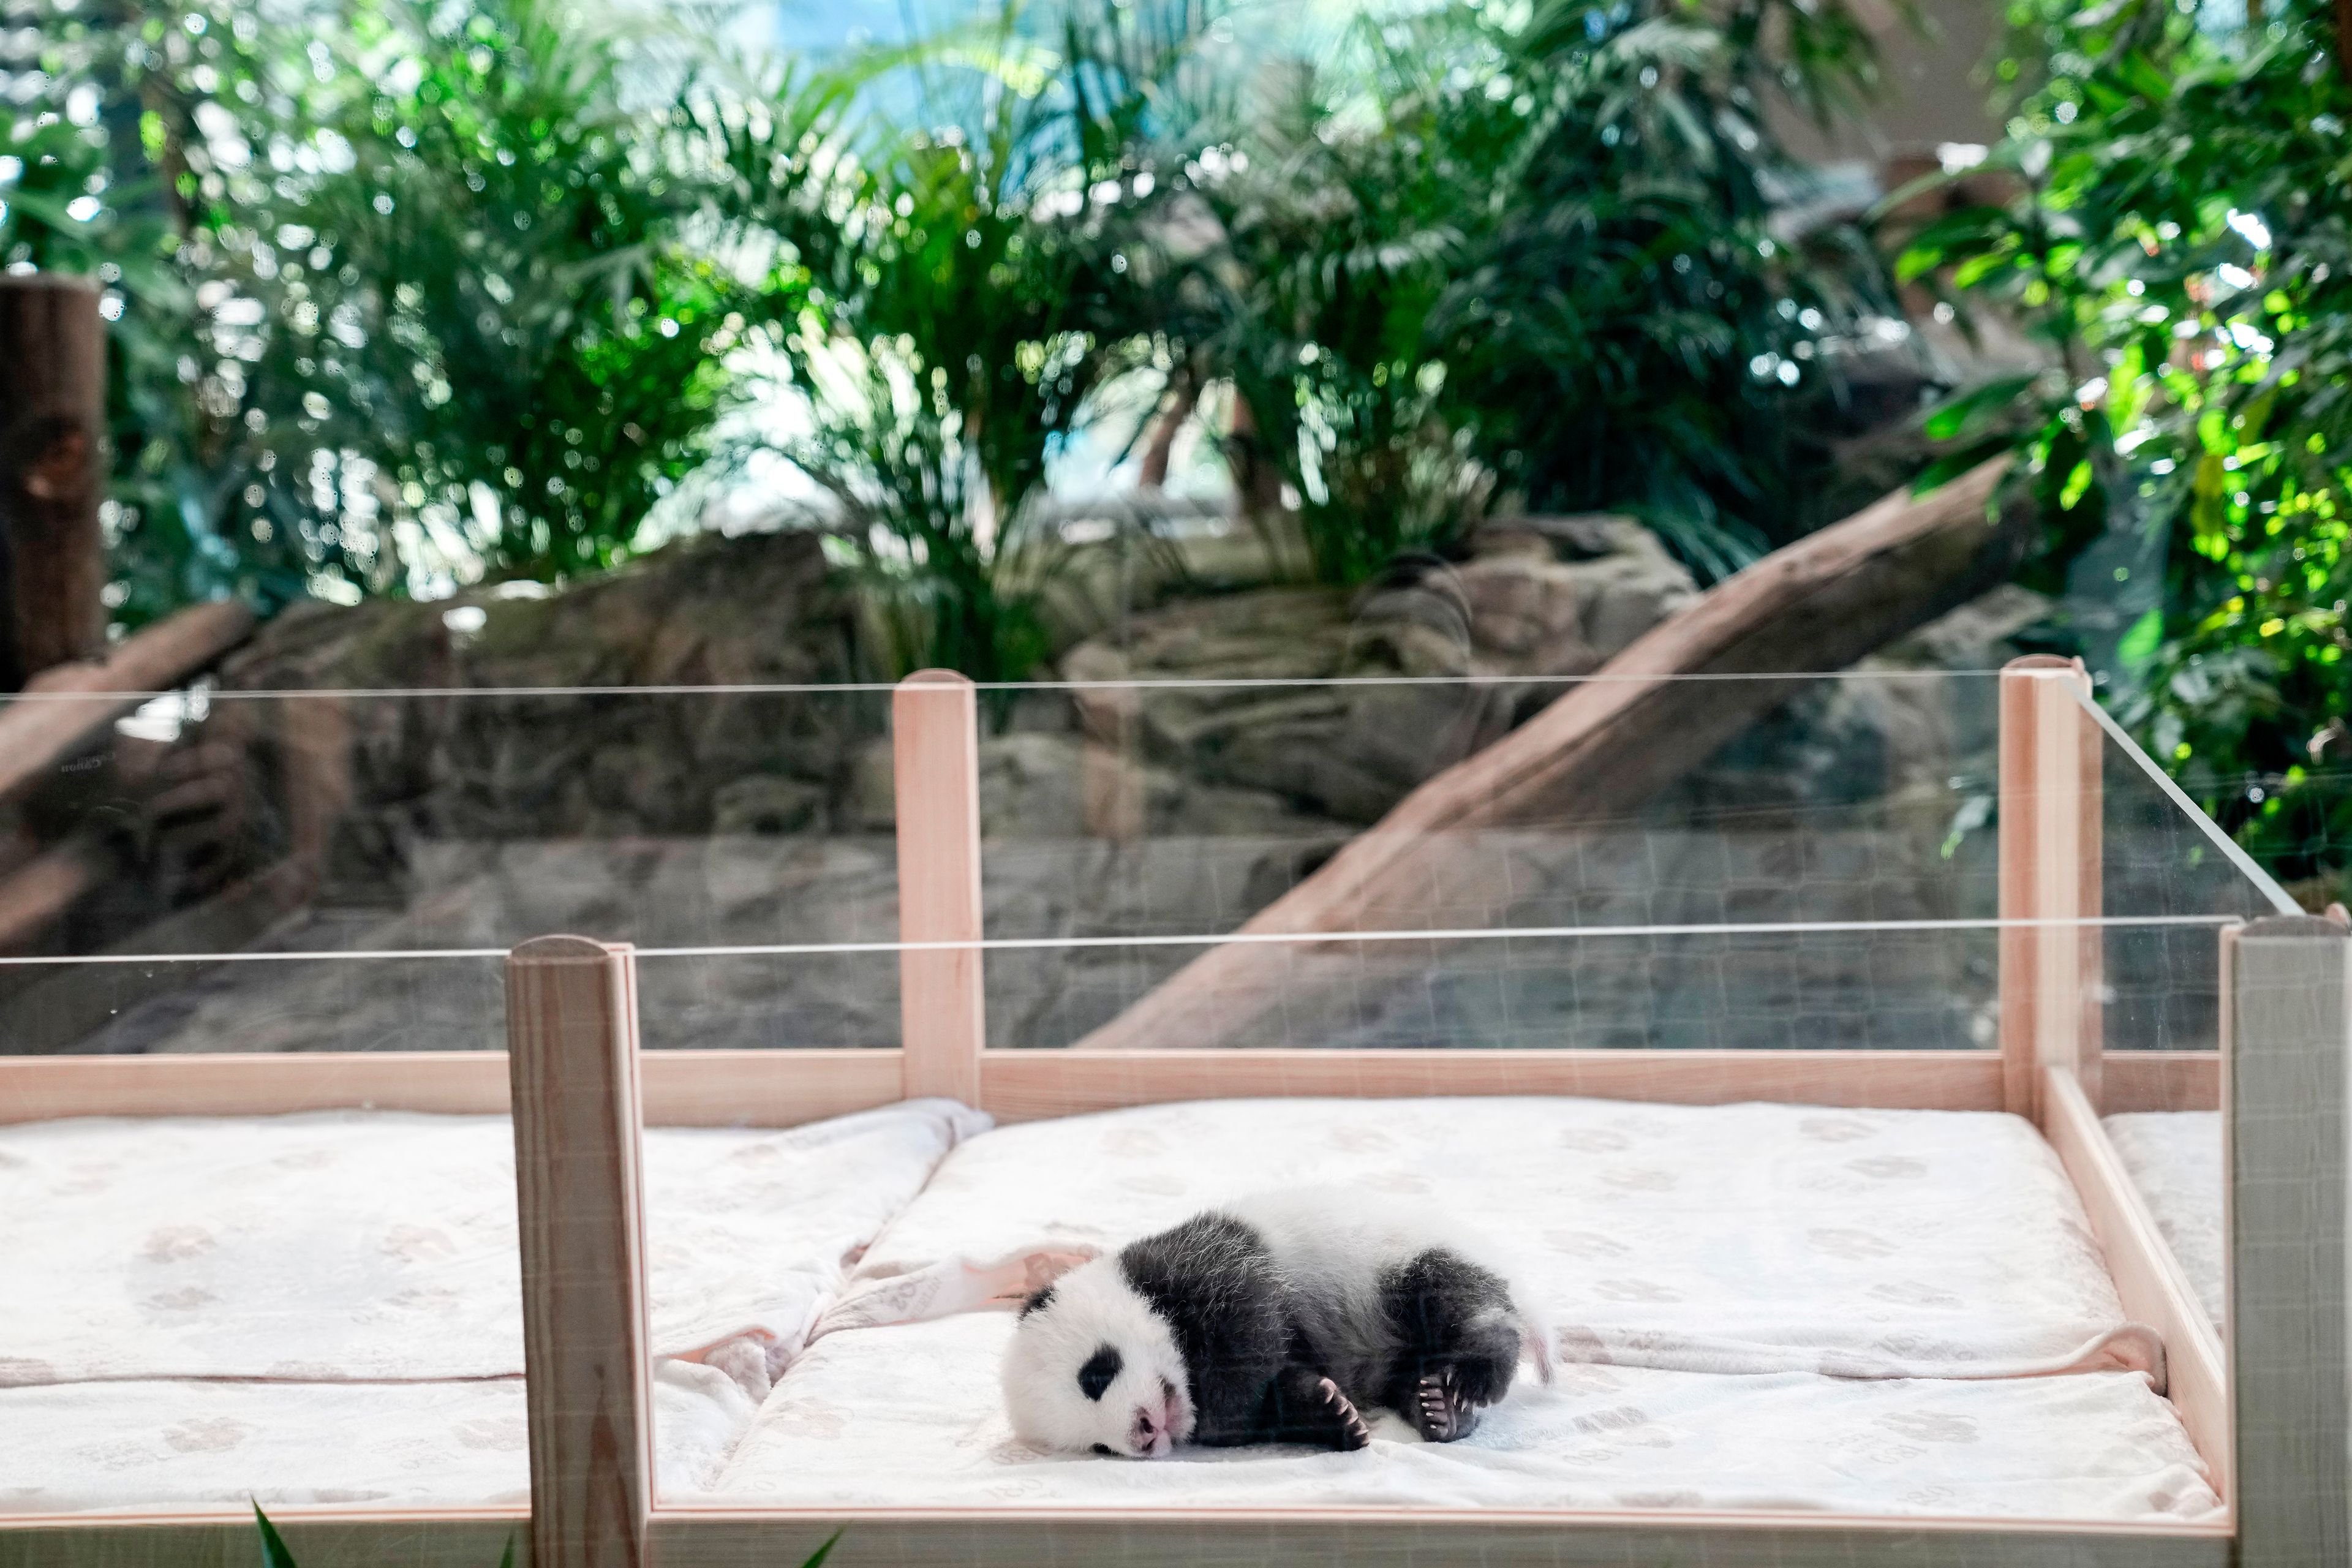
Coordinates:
<point>2171,881</point>
<point>1782,864</point>
<point>1125,811</point>
<point>443,824</point>
<point>2166,864</point>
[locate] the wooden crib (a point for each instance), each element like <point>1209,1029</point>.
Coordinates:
<point>2267,1409</point>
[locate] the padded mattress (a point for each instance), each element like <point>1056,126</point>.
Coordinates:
<point>911,1414</point>
<point>1737,1238</point>
<point>144,1442</point>
<point>322,1308</point>
<point>2174,1158</point>
<point>308,1307</point>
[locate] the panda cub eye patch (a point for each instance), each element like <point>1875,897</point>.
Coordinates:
<point>1096,1375</point>
<point>1105,1450</point>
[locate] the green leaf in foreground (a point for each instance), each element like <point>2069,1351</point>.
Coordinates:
<point>273,1545</point>
<point>274,1552</point>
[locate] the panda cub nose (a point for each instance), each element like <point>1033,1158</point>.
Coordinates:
<point>1154,1432</point>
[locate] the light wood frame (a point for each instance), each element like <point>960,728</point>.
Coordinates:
<point>2270,1405</point>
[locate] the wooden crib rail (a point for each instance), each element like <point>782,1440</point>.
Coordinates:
<point>571,1047</point>
<point>934,759</point>
<point>2050,855</point>
<point>788,1088</point>
<point>2149,1279</point>
<point>573,1050</point>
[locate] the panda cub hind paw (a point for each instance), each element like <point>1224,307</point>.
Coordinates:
<point>1349,1432</point>
<point>1441,1411</point>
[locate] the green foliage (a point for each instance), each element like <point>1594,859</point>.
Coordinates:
<point>947,589</point>
<point>275,1554</point>
<point>950,313</point>
<point>404,291</point>
<point>1637,332</point>
<point>1493,251</point>
<point>540,359</point>
<point>413,291</point>
<point>2182,241</point>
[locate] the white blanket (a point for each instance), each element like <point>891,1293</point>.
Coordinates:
<point>144,1444</point>
<point>1738,1238</point>
<point>912,1416</point>
<point>378,1245</point>
<point>2174,1158</point>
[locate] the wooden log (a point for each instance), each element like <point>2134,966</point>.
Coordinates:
<point>36,896</point>
<point>64,707</point>
<point>2051,857</point>
<point>46,1009</point>
<point>572,1052</point>
<point>935,745</point>
<point>1609,744</point>
<point>52,475</point>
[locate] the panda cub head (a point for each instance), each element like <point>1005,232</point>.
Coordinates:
<point>1093,1369</point>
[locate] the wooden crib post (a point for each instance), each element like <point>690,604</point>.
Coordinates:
<point>2287,1028</point>
<point>935,746</point>
<point>571,1013</point>
<point>2051,753</point>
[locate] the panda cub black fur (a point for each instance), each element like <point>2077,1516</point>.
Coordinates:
<point>1276,1318</point>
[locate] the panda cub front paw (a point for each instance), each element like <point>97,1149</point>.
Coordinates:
<point>1441,1411</point>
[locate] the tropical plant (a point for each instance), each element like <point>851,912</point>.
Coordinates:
<point>2180,239</point>
<point>1644,325</point>
<point>1486,253</point>
<point>411,292</point>
<point>405,293</point>
<point>911,522</point>
<point>110,170</point>
<point>540,343</point>
<point>950,314</point>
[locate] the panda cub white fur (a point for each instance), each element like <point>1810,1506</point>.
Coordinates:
<point>1274,1318</point>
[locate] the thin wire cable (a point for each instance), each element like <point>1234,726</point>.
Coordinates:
<point>1172,683</point>
<point>1229,938</point>
<point>2280,899</point>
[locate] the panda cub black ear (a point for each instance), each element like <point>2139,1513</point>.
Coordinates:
<point>1096,1374</point>
<point>1037,1299</point>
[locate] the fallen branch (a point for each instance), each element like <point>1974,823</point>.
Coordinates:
<point>66,704</point>
<point>1610,743</point>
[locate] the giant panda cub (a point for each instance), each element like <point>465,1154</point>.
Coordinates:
<point>1276,1318</point>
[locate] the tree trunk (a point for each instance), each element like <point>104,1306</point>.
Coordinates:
<point>1186,390</point>
<point>52,475</point>
<point>1605,747</point>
